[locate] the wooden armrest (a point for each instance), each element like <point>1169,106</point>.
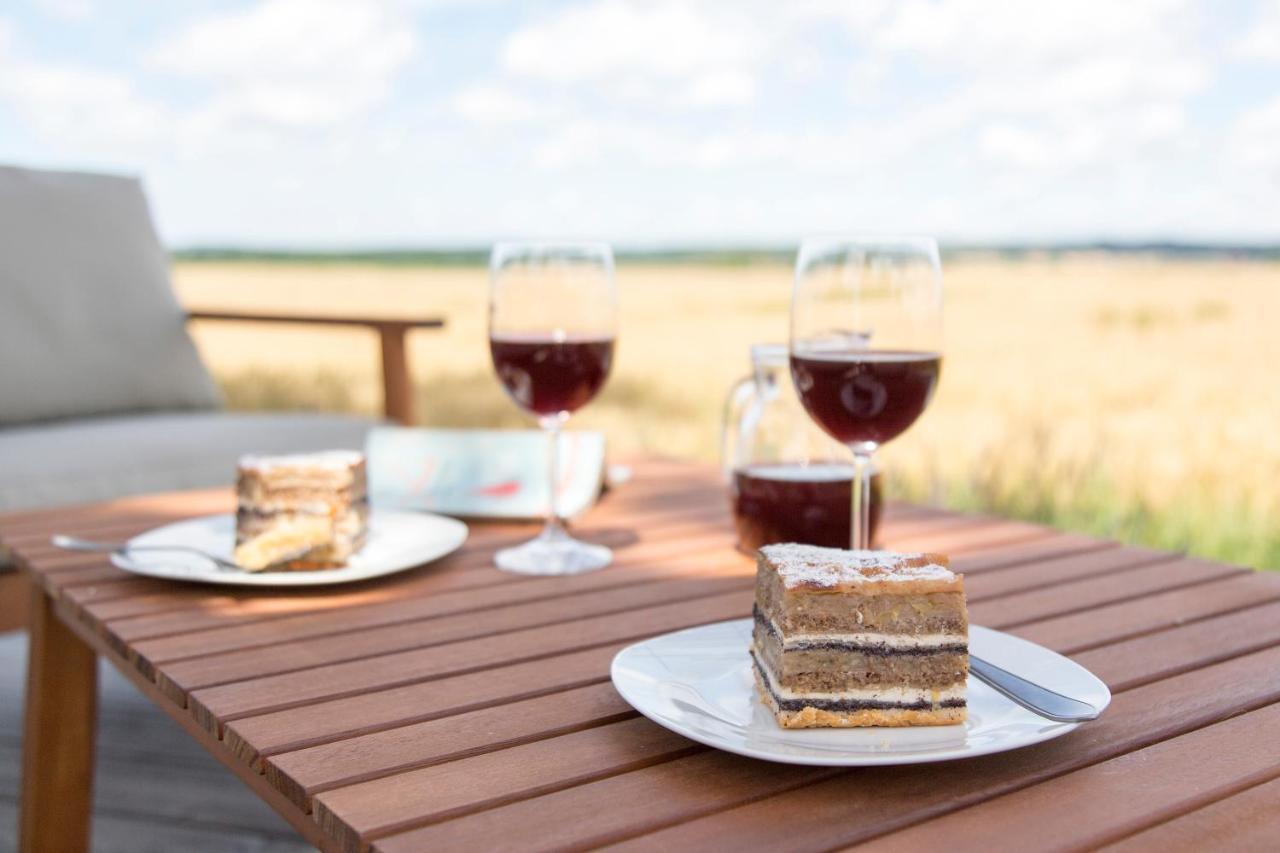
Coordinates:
<point>318,320</point>
<point>397,387</point>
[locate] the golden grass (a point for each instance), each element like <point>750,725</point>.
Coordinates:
<point>1133,397</point>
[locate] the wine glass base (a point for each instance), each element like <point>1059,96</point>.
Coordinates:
<point>553,555</point>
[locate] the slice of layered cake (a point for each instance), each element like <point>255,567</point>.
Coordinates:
<point>859,638</point>
<point>302,511</point>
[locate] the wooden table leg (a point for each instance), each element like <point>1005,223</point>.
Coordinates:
<point>57,741</point>
<point>15,598</point>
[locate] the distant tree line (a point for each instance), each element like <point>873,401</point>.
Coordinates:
<point>744,256</point>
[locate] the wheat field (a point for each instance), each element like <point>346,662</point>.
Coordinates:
<point>1125,396</point>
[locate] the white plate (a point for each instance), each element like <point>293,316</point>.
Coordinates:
<point>397,541</point>
<point>698,683</point>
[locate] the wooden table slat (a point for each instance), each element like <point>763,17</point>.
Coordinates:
<point>244,697</point>
<point>1056,569</point>
<point>301,822</point>
<point>1185,647</point>
<point>173,644</point>
<point>224,614</point>
<point>458,706</point>
<point>1090,592</point>
<point>329,719</point>
<point>973,538</point>
<point>496,601</point>
<point>1200,643</point>
<point>273,692</point>
<point>1248,821</point>
<point>467,785</point>
<point>157,508</point>
<point>134,597</point>
<point>720,801</point>
<point>1114,798</point>
<point>1156,610</point>
<point>326,721</point>
<point>302,773</point>
<point>240,698</point>
<point>696,504</point>
<point>269,658</point>
<point>1203,632</point>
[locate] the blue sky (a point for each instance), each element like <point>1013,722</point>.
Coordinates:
<point>338,123</point>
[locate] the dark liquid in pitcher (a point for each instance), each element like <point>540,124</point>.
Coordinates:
<point>791,502</point>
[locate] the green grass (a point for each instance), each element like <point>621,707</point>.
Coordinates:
<point>1080,497</point>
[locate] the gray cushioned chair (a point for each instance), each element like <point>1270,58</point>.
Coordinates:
<point>102,393</point>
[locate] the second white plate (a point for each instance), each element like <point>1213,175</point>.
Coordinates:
<point>698,683</point>
<point>397,541</point>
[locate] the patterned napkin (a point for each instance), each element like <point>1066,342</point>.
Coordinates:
<point>481,473</point>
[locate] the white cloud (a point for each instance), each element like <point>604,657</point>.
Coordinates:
<point>723,87</point>
<point>69,10</point>
<point>1261,40</point>
<point>698,54</point>
<point>292,62</point>
<point>1052,87</point>
<point>486,103</point>
<point>1254,140</point>
<point>1038,149</point>
<point>1035,57</point>
<point>70,103</point>
<point>842,150</point>
<point>734,119</point>
<point>983,33</point>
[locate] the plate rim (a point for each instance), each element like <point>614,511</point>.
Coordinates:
<point>1052,732</point>
<point>275,580</point>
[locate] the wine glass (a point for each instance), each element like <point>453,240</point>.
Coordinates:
<point>866,349</point>
<point>552,323</point>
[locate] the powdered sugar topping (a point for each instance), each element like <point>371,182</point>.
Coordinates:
<point>813,566</point>
<point>336,460</point>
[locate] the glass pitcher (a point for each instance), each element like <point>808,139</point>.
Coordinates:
<point>788,481</point>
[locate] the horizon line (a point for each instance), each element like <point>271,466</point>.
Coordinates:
<point>719,252</point>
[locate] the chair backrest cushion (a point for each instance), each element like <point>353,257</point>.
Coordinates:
<point>88,322</point>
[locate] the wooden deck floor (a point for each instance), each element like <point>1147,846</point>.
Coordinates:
<point>155,789</point>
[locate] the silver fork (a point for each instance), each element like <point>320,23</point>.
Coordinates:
<point>74,543</point>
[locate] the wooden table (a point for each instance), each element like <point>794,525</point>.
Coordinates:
<point>457,707</point>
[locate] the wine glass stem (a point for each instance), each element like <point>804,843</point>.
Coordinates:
<point>553,529</point>
<point>860,519</point>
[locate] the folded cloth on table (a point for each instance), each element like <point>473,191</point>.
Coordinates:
<point>481,473</point>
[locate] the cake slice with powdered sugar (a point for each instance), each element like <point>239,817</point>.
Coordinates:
<point>859,638</point>
<point>300,511</point>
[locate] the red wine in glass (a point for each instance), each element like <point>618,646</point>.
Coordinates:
<point>548,375</point>
<point>553,318</point>
<point>793,502</point>
<point>861,396</point>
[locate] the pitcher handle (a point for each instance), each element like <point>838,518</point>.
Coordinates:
<point>741,393</point>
